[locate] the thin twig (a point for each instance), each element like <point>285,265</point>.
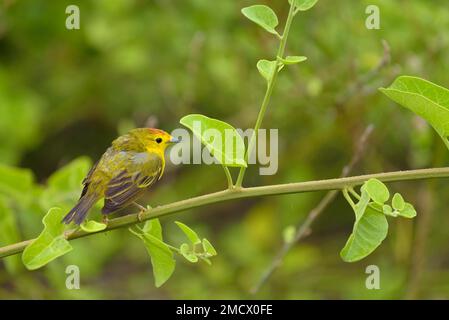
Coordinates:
<point>303,228</point>
<point>363,80</point>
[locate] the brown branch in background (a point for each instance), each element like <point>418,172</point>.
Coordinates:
<point>303,230</point>
<point>362,82</point>
<point>386,59</point>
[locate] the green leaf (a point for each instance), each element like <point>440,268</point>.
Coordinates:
<point>161,258</point>
<point>262,15</point>
<point>361,206</point>
<point>266,68</point>
<point>184,248</point>
<point>408,211</point>
<point>160,253</point>
<point>424,98</point>
<point>154,228</point>
<point>222,140</point>
<point>92,226</point>
<point>187,253</point>
<point>292,59</point>
<point>386,209</point>
<point>377,190</point>
<point>193,237</point>
<point>191,257</point>
<point>303,5</point>
<point>398,202</point>
<point>376,206</point>
<point>208,248</point>
<point>8,234</point>
<point>368,233</point>
<point>15,182</point>
<point>50,244</point>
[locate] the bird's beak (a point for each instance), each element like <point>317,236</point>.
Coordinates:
<point>174,140</point>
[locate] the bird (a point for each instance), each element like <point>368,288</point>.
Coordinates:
<point>132,164</point>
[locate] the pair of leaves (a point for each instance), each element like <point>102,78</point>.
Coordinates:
<point>425,99</point>
<point>371,226</point>
<point>267,68</point>
<point>221,139</point>
<point>399,208</point>
<point>189,251</point>
<point>379,193</point>
<point>161,254</point>
<point>63,188</point>
<point>266,18</point>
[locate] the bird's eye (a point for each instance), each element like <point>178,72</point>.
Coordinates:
<point>158,140</point>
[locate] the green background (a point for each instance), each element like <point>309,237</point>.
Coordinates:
<point>133,63</point>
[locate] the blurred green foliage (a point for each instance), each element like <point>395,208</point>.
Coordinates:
<point>69,93</point>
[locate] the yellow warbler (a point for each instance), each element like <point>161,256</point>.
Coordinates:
<point>134,162</point>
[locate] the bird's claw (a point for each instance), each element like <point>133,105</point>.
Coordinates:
<point>140,215</point>
<point>105,219</point>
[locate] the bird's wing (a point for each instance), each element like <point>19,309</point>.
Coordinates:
<point>142,171</point>
<point>86,180</point>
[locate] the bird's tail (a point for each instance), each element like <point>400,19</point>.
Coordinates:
<point>79,211</point>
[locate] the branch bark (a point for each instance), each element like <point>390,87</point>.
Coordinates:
<point>240,193</point>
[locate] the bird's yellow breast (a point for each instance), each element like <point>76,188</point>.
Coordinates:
<point>159,151</point>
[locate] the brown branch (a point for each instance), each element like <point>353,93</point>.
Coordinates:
<point>360,83</point>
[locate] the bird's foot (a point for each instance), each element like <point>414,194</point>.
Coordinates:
<point>140,216</point>
<point>141,208</point>
<point>105,219</point>
<point>142,211</point>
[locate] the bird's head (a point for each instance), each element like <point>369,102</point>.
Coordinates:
<point>158,140</point>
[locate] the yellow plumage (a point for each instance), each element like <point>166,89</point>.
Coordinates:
<point>133,163</point>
